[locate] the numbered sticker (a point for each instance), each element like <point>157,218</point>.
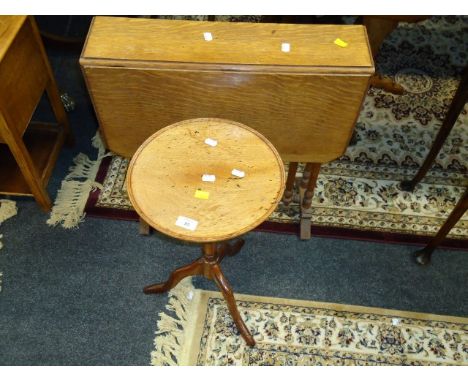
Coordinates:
<point>207,36</point>
<point>208,178</point>
<point>285,47</point>
<point>211,142</point>
<point>238,173</point>
<point>186,223</point>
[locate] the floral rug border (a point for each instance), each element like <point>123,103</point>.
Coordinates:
<point>92,210</point>
<point>200,331</point>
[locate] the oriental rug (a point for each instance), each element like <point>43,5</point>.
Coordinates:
<point>200,331</point>
<point>359,195</point>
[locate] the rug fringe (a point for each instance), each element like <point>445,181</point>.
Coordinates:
<point>69,205</point>
<point>8,209</point>
<point>97,143</point>
<point>171,330</point>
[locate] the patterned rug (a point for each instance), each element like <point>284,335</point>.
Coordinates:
<point>359,194</point>
<point>293,332</point>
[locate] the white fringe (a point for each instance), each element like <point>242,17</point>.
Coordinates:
<point>69,205</point>
<point>8,209</point>
<point>171,331</point>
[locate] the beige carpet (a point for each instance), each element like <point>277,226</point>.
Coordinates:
<point>294,332</point>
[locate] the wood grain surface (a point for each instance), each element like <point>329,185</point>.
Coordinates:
<point>23,77</point>
<point>308,118</point>
<point>167,170</point>
<point>27,155</point>
<point>143,75</point>
<point>9,27</point>
<point>240,43</point>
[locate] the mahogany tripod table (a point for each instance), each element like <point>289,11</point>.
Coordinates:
<point>206,181</point>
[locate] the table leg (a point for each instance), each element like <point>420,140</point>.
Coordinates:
<point>456,107</point>
<point>288,191</point>
<point>52,88</point>
<point>208,266</point>
<point>386,83</point>
<point>144,228</point>
<point>193,269</point>
<point>309,180</point>
<point>305,176</point>
<point>228,295</point>
<point>229,249</point>
<point>423,256</point>
<point>59,111</point>
<point>27,166</point>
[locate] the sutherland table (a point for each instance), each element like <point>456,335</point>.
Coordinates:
<point>166,172</point>
<point>292,83</point>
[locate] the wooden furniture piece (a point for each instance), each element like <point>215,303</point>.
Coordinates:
<point>456,107</point>
<point>460,98</point>
<point>144,74</point>
<point>27,154</point>
<point>163,180</point>
<point>423,256</point>
<point>378,28</point>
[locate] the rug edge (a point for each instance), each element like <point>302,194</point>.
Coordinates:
<point>345,307</point>
<point>176,337</point>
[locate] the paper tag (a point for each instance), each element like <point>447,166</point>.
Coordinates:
<point>207,36</point>
<point>208,178</point>
<point>186,223</point>
<point>341,43</point>
<point>238,173</point>
<point>285,47</point>
<point>211,142</point>
<point>202,194</point>
<point>395,321</point>
<point>190,295</point>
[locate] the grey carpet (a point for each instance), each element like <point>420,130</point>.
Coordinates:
<point>75,297</point>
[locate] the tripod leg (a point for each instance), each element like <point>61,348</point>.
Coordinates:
<point>288,192</point>
<point>226,290</point>
<point>423,256</point>
<point>195,268</point>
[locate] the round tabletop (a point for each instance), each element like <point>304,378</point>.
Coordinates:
<point>171,185</point>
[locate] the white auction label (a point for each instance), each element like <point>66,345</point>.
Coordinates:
<point>186,223</point>
<point>208,178</point>
<point>211,142</point>
<point>238,173</point>
<point>208,36</point>
<point>286,47</point>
